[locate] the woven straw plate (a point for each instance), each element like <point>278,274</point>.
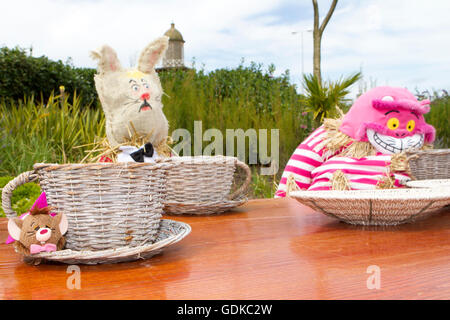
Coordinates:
<point>438,183</point>
<point>376,207</point>
<point>169,233</point>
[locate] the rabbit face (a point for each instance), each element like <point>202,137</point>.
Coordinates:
<point>131,99</point>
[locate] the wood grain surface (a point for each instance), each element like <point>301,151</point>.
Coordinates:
<point>266,249</point>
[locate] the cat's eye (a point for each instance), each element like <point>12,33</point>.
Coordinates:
<point>393,123</point>
<point>36,229</point>
<point>411,125</point>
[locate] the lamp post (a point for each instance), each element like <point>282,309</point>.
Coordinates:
<point>302,49</point>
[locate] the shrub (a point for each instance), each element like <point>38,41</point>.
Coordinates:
<point>22,75</point>
<point>245,98</point>
<point>23,197</point>
<point>439,117</point>
<point>323,98</point>
<point>34,132</point>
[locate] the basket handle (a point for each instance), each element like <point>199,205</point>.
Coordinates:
<point>244,186</point>
<point>413,157</point>
<point>7,191</point>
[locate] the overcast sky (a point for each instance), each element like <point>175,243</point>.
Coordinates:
<point>396,42</point>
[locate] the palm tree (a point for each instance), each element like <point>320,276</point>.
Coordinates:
<point>322,99</point>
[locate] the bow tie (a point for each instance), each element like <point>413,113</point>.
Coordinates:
<point>49,247</point>
<point>146,151</point>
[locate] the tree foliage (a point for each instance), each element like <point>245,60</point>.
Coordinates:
<point>24,75</point>
<point>322,99</point>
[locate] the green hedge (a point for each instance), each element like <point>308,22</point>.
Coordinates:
<point>439,117</point>
<point>23,197</point>
<point>22,75</point>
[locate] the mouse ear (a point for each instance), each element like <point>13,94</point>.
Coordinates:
<point>151,55</point>
<point>63,223</point>
<point>15,228</point>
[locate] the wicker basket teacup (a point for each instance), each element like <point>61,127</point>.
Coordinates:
<point>203,184</point>
<point>429,164</point>
<point>108,205</point>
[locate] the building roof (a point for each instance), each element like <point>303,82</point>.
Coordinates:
<point>174,34</point>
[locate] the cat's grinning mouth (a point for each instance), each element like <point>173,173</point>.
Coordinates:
<point>389,143</point>
<point>384,145</point>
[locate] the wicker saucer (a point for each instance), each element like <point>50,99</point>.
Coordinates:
<point>376,207</point>
<point>169,233</point>
<point>438,183</point>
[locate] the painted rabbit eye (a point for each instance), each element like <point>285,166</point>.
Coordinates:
<point>411,125</point>
<point>393,123</point>
<point>146,86</point>
<point>135,87</point>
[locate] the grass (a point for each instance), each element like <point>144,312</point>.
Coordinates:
<point>34,132</point>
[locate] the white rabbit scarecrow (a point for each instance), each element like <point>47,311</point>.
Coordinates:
<point>131,98</point>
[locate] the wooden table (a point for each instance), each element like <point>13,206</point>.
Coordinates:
<point>266,249</point>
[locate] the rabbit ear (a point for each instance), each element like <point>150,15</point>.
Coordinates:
<point>152,54</point>
<point>107,59</point>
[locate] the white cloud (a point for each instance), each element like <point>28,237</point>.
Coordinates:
<point>404,43</point>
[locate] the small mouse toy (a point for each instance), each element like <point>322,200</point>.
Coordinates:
<point>38,232</point>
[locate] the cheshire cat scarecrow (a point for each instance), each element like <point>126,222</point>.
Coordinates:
<point>365,148</point>
<point>131,101</point>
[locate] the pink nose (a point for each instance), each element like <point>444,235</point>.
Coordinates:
<point>43,234</point>
<point>145,96</point>
<point>402,133</point>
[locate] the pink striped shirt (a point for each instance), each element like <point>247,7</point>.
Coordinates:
<point>309,155</point>
<point>312,167</point>
<point>362,174</point>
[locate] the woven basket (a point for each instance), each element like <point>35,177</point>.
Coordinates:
<point>429,164</point>
<point>108,205</point>
<point>202,185</point>
<point>376,207</point>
